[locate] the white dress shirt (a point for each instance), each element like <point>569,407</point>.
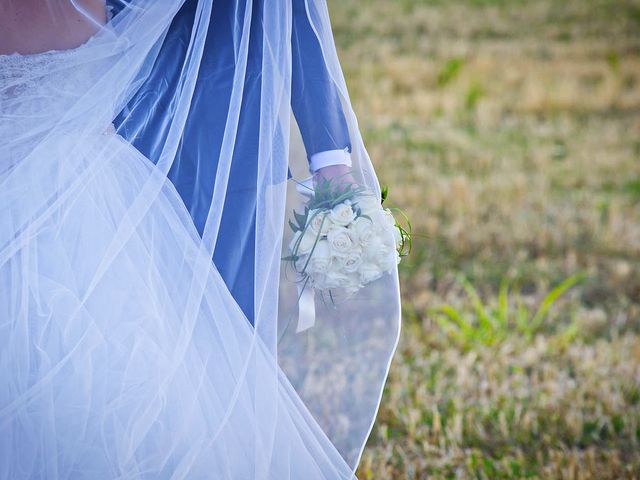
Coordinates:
<point>328,158</point>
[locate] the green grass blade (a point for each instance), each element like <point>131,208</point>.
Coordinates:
<point>552,297</point>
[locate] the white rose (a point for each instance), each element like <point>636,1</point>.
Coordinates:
<point>369,272</point>
<point>352,261</point>
<point>301,262</point>
<point>321,257</point>
<point>363,229</point>
<point>388,259</point>
<point>340,240</point>
<point>353,289</point>
<point>354,284</point>
<point>397,236</point>
<point>336,279</point>
<point>317,280</point>
<point>304,241</point>
<point>388,236</point>
<point>368,203</point>
<point>375,249</point>
<point>319,221</point>
<point>342,214</point>
<point>388,217</point>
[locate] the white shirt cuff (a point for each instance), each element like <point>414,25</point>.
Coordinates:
<point>329,157</point>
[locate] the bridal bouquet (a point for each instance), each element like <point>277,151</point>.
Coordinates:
<point>344,239</point>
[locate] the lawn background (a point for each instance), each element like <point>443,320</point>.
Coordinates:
<point>509,132</point>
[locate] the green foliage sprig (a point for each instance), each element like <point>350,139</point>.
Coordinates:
<point>489,325</point>
<point>405,232</point>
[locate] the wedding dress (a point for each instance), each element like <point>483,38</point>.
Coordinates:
<point>123,354</point>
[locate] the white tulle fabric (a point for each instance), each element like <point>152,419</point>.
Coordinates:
<point>122,353</point>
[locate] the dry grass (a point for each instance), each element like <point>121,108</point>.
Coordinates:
<point>510,132</point>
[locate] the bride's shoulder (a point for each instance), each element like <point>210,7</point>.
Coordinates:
<point>52,24</point>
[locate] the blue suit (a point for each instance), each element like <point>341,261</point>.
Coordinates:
<point>314,99</point>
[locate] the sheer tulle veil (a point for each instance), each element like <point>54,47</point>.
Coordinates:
<point>319,387</point>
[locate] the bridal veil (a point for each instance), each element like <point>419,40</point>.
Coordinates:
<point>124,353</point>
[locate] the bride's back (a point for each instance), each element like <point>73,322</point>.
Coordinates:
<point>32,26</point>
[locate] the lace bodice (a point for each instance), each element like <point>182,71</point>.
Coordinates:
<point>18,73</point>
<point>40,93</point>
<point>45,85</point>
<point>42,75</point>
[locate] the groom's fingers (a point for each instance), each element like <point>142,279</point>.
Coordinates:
<point>336,173</point>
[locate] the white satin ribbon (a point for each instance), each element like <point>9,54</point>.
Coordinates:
<point>306,294</point>
<point>306,308</point>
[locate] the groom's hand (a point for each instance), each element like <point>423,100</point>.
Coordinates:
<point>338,174</point>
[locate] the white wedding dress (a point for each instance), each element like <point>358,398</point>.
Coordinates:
<point>106,371</point>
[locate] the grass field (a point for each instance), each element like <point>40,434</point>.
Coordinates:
<point>509,131</point>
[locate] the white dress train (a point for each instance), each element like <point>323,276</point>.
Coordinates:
<point>102,375</point>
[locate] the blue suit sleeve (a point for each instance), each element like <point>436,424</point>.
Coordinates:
<point>314,97</point>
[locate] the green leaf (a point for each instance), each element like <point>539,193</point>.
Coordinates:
<point>293,226</point>
<point>310,255</point>
<point>484,318</point>
<point>454,316</point>
<point>522,318</point>
<point>503,303</point>
<point>300,218</point>
<point>384,193</point>
<point>552,296</point>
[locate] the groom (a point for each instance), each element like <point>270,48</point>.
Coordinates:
<point>314,100</point>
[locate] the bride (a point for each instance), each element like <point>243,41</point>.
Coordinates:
<point>148,328</point>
